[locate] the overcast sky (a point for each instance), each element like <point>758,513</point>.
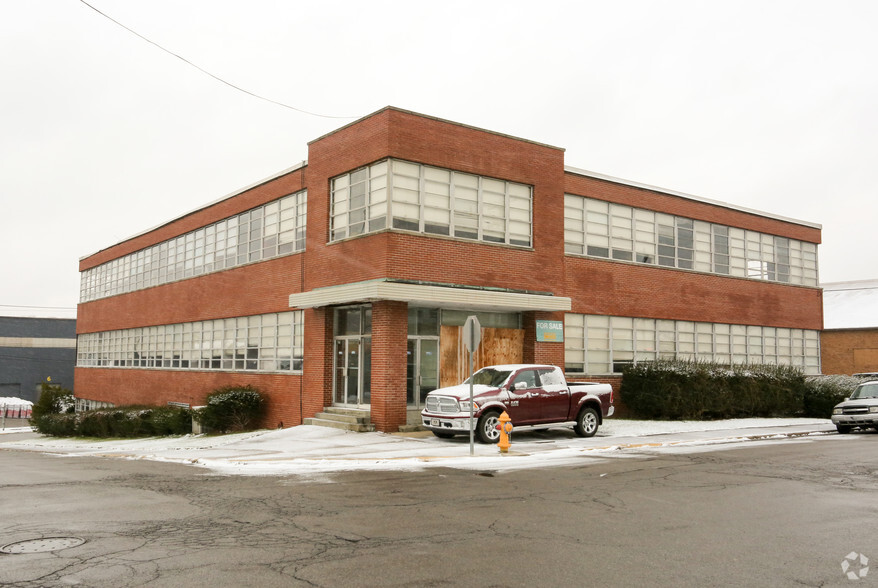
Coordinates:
<point>764,104</point>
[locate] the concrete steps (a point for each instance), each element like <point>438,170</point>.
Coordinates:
<point>347,419</point>
<point>359,420</point>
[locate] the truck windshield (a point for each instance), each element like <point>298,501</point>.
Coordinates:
<point>489,377</point>
<point>869,390</point>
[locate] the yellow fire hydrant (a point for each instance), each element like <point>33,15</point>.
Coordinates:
<point>505,427</point>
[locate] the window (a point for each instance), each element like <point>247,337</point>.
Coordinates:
<point>277,228</point>
<point>597,228</point>
<point>526,377</point>
<point>269,343</point>
<point>685,243</point>
<point>720,249</point>
<point>667,240</point>
<point>596,344</point>
<point>622,232</point>
<point>430,200</point>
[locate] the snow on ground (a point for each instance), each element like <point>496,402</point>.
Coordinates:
<point>315,451</point>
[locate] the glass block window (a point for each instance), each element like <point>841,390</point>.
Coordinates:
<point>597,228</point>
<point>603,345</point>
<point>413,197</point>
<point>271,230</point>
<point>262,343</point>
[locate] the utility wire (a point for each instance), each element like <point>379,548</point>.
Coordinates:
<point>204,71</point>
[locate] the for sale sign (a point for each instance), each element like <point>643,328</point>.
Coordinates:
<point>550,331</point>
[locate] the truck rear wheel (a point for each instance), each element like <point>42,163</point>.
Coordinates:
<point>586,422</point>
<point>486,429</point>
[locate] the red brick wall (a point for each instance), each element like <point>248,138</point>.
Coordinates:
<point>546,352</point>
<point>425,140</point>
<point>620,289</point>
<point>157,387</point>
<point>389,349</point>
<point>317,367</point>
<point>257,288</point>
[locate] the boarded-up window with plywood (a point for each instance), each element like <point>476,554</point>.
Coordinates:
<point>865,360</point>
<point>498,346</point>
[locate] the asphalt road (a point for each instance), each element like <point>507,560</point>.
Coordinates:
<point>774,513</point>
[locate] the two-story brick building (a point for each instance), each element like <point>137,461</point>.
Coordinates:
<point>345,280</point>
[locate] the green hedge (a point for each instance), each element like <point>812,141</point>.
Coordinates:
<point>232,408</point>
<point>696,390</point>
<point>55,424</point>
<point>129,421</point>
<point>53,400</point>
<point>824,392</point>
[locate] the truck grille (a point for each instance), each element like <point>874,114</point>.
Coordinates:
<point>856,409</point>
<point>437,404</point>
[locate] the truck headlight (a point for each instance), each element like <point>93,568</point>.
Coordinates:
<point>873,409</point>
<point>464,406</point>
<point>838,411</point>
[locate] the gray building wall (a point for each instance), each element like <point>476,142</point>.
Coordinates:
<point>32,350</point>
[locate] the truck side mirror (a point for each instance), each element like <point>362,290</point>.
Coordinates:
<point>520,385</point>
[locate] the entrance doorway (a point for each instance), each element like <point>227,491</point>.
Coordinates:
<point>352,357</point>
<point>353,361</point>
<point>422,370</point>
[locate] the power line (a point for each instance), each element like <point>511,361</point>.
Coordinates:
<point>204,71</point>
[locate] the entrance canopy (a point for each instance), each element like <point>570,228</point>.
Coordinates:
<point>431,294</point>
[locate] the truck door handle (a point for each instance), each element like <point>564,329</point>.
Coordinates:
<point>565,391</point>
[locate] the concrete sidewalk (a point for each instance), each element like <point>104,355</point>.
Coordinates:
<point>316,450</point>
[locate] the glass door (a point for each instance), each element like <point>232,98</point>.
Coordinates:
<point>422,373</point>
<point>352,356</point>
<point>352,371</point>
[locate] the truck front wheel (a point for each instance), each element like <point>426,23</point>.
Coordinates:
<point>486,429</point>
<point>587,422</point>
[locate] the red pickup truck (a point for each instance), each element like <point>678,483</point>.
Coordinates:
<point>532,395</point>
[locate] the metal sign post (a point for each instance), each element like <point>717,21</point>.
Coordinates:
<point>472,336</point>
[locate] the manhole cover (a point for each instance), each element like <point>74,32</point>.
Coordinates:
<point>42,545</point>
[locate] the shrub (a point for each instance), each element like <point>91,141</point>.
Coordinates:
<point>824,392</point>
<point>232,408</point>
<point>55,424</point>
<point>53,400</point>
<point>698,390</point>
<point>171,420</point>
<point>126,421</point>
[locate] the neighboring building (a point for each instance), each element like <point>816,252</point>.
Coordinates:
<point>345,280</point>
<point>34,351</point>
<point>849,342</point>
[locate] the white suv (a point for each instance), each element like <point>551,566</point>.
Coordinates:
<point>860,410</point>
